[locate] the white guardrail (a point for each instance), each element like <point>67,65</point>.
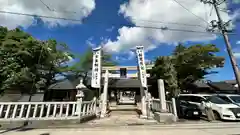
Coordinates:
<point>21,111</point>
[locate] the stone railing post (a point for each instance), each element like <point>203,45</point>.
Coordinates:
<point>144,103</point>
<point>174,109</point>
<point>95,106</point>
<point>150,113</point>
<point>79,97</point>
<point>162,95</point>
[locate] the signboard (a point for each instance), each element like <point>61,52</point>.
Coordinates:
<point>96,68</point>
<point>141,65</point>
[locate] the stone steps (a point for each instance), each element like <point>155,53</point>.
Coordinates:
<point>121,120</point>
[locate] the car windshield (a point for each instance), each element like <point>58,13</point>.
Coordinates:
<point>236,99</point>
<point>217,100</point>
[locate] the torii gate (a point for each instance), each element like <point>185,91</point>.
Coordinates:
<point>141,75</point>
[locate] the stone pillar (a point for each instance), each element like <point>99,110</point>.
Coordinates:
<point>150,113</point>
<point>162,95</point>
<point>105,93</point>
<point>174,109</point>
<point>121,95</point>
<point>143,102</point>
<point>79,97</point>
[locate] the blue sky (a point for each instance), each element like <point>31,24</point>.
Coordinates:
<point>104,21</point>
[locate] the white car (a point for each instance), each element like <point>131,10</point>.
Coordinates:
<point>232,98</point>
<point>222,109</point>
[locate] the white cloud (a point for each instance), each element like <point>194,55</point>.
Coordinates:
<point>161,11</point>
<point>117,58</point>
<point>90,43</point>
<point>147,60</point>
<point>110,29</point>
<point>126,56</point>
<point>70,60</point>
<point>120,58</point>
<point>236,52</point>
<point>238,42</point>
<point>131,55</point>
<point>236,1</point>
<point>75,9</point>
<point>237,55</point>
<point>236,15</point>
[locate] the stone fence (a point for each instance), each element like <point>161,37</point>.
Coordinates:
<point>156,107</point>
<point>31,111</point>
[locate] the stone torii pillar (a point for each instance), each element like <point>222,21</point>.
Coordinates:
<point>143,81</point>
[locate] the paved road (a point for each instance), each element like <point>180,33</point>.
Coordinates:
<point>187,129</point>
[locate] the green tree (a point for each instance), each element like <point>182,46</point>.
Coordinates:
<point>190,64</point>
<point>28,64</point>
<point>167,73</point>
<point>195,62</point>
<point>14,52</point>
<point>84,65</point>
<point>53,61</point>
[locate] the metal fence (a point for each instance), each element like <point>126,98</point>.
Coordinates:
<point>21,111</point>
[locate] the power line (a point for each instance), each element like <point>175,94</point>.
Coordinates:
<point>178,30</point>
<point>78,20</point>
<point>190,11</point>
<point>50,9</point>
<point>210,14</point>
<point>53,10</point>
<point>41,16</point>
<point>206,15</point>
<point>155,21</point>
<point>142,20</point>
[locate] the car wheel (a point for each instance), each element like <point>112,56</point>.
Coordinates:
<point>216,115</point>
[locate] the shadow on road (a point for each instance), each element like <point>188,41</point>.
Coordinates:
<point>20,129</point>
<point>45,134</point>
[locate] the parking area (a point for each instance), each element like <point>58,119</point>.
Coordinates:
<point>208,107</point>
<point>202,119</point>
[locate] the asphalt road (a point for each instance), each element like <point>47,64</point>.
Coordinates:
<point>173,129</point>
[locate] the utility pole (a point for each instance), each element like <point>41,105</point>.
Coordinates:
<point>222,27</point>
